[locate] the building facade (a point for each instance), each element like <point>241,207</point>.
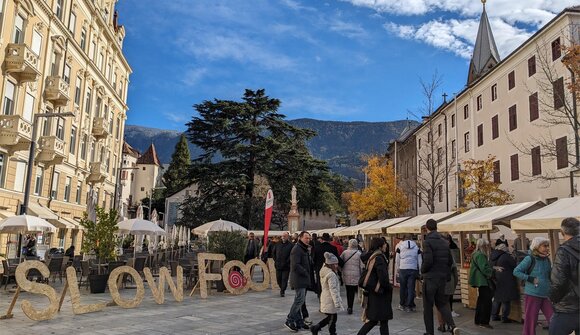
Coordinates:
<point>61,56</point>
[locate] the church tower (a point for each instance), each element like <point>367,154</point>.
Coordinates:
<point>485,55</point>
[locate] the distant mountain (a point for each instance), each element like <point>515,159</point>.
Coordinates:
<point>341,144</point>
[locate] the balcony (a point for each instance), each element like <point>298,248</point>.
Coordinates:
<point>98,173</point>
<point>51,150</point>
<point>56,91</point>
<point>15,133</point>
<point>100,127</point>
<point>21,63</point>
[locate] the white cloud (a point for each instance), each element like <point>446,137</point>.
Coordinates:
<point>194,76</point>
<point>296,5</point>
<point>348,29</point>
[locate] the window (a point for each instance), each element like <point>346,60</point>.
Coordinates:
<point>511,80</point>
<point>38,180</point>
<point>439,130</point>
<point>66,75</point>
<point>83,39</point>
<point>419,166</point>
<point>100,61</point>
<point>556,49</point>
<point>479,102</point>
<point>84,147</point>
<point>494,127</point>
<point>558,89</point>
<point>419,144</point>
<point>536,161</point>
<point>67,185</point>
<point>429,161</point>
<point>9,92</point>
<point>429,137</point>
<point>20,176</point>
<point>534,110</point>
<point>440,192</point>
<point>513,117</point>
<point>98,107</point>
<point>142,189</point>
<point>92,50</point>
<point>452,120</point>
<point>59,9</point>
<point>480,135</point>
<point>515,168</point>
<point>72,22</point>
<point>118,128</point>
<point>496,173</point>
<point>54,189</point>
<point>420,199</point>
<point>88,102</point>
<point>36,45</point>
<point>114,80</point>
<point>78,193</point>
<point>78,91</point>
<point>453,148</point>
<point>494,92</point>
<point>111,119</point>
<point>562,152</point>
<point>439,156</point>
<point>531,66</point>
<point>144,168</point>
<point>466,140</point>
<point>73,140</point>
<point>18,35</point>
<point>2,168</point>
<point>28,107</point>
<point>465,112</point>
<point>60,128</point>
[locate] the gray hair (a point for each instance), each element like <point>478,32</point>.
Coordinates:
<point>570,226</point>
<point>353,244</point>
<point>481,244</point>
<point>538,241</point>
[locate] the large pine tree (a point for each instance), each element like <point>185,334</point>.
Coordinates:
<point>177,175</point>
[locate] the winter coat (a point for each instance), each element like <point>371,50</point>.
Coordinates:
<point>379,304</point>
<point>408,256</point>
<point>451,284</point>
<point>437,257</point>
<point>281,255</point>
<point>318,254</point>
<point>480,271</point>
<point>352,268</point>
<point>338,247</point>
<point>300,270</point>
<point>253,248</point>
<point>330,300</point>
<point>541,270</point>
<point>506,284</point>
<point>564,292</point>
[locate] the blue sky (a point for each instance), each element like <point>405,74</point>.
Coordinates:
<point>346,60</point>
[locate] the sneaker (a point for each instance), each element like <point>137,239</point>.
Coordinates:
<point>455,331</point>
<point>488,326</point>
<point>455,315</point>
<point>291,326</point>
<point>307,321</point>
<point>314,329</point>
<point>349,311</point>
<point>401,308</point>
<point>282,294</point>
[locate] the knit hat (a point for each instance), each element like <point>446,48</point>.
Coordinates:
<point>330,258</point>
<point>502,247</point>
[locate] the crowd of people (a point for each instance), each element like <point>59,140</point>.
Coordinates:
<point>321,264</point>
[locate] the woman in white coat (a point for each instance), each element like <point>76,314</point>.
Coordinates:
<point>330,300</point>
<point>351,271</point>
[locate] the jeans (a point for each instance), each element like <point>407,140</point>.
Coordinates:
<point>329,320</point>
<point>282,278</point>
<point>505,309</point>
<point>407,278</point>
<point>483,305</point>
<point>564,323</point>
<point>351,291</point>
<point>434,294</point>
<point>295,315</point>
<point>366,328</point>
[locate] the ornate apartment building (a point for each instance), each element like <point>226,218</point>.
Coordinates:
<point>517,109</point>
<point>60,56</point>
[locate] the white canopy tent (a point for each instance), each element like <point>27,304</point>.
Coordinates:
<point>381,226</point>
<point>271,233</point>
<point>415,224</point>
<point>354,230</point>
<point>549,217</point>
<point>218,225</point>
<point>330,231</point>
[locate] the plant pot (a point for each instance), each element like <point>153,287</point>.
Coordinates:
<point>98,283</point>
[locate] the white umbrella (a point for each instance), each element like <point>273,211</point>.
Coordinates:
<point>138,238</point>
<point>25,224</point>
<point>218,225</point>
<point>139,226</point>
<point>154,216</point>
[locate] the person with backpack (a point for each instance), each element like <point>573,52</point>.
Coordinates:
<point>351,271</point>
<point>507,286</point>
<point>564,292</point>
<point>481,276</point>
<point>535,271</point>
<point>330,300</point>
<point>407,264</point>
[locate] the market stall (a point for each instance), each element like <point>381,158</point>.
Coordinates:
<point>354,230</point>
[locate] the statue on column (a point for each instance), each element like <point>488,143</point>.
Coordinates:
<point>293,216</point>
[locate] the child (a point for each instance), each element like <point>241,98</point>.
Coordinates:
<point>330,300</point>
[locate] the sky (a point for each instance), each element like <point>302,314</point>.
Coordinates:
<point>342,60</point>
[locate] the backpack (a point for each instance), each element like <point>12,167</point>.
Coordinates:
<point>529,269</point>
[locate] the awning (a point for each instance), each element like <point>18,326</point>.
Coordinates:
<point>483,219</point>
<point>330,231</point>
<point>41,211</point>
<point>381,226</point>
<point>353,230</point>
<point>73,222</point>
<point>6,214</point>
<point>414,224</point>
<point>549,217</point>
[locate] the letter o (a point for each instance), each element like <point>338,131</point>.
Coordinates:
<point>226,276</point>
<point>258,286</point>
<point>140,291</point>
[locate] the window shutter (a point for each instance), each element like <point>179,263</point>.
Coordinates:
<point>515,168</point>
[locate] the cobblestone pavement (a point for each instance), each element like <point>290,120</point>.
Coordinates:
<point>251,313</point>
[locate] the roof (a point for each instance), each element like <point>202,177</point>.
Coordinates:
<point>485,54</point>
<point>483,219</point>
<point>149,157</point>
<point>414,225</point>
<point>128,149</point>
<point>549,217</point>
<point>353,230</point>
<point>378,227</point>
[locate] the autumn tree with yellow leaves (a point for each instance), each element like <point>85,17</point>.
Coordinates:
<point>382,198</point>
<point>481,190</point>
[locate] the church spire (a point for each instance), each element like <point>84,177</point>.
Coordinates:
<point>485,55</point>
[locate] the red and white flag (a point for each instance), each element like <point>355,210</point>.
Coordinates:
<point>268,216</point>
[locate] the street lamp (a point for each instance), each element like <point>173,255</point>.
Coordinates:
<point>31,152</point>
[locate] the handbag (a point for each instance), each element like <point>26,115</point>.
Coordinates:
<point>365,278</point>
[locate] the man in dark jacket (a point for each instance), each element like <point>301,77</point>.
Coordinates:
<point>299,280</point>
<point>281,255</point>
<point>318,258</point>
<point>436,270</point>
<point>564,279</point>
<point>252,248</point>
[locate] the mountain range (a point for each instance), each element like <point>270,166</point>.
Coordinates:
<point>341,144</point>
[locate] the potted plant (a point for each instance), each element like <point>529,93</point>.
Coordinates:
<point>100,239</point>
<point>230,243</point>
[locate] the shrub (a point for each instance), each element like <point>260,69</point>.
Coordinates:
<point>100,236</point>
<point>230,243</point>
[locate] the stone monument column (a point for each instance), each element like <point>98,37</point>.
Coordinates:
<point>294,216</point>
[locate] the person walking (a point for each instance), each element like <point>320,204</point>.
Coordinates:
<point>407,264</point>
<point>252,248</point>
<point>377,301</point>
<point>564,292</point>
<point>480,276</point>
<point>506,284</point>
<point>351,271</point>
<point>450,286</point>
<point>299,280</point>
<point>436,270</point>
<point>535,270</point>
<point>318,258</point>
<point>281,256</point>
<point>330,300</point>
